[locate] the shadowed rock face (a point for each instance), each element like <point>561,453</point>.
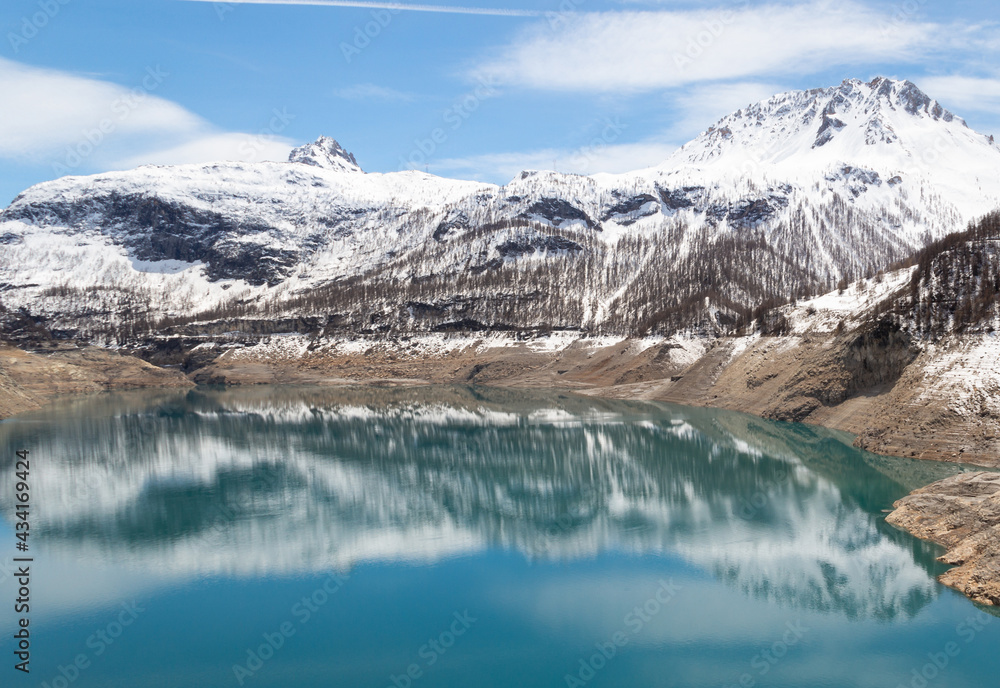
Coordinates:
<point>557,211</point>
<point>516,249</point>
<point>154,229</point>
<point>961,513</point>
<point>626,211</point>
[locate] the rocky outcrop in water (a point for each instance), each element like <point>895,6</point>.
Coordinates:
<point>961,513</point>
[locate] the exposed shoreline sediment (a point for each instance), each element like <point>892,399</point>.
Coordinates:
<point>30,380</point>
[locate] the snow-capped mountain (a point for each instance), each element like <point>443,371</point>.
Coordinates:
<point>325,153</point>
<point>882,134</point>
<point>779,199</point>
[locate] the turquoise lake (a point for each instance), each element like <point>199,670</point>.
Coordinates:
<point>468,538</point>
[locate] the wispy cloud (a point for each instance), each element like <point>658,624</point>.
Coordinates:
<point>693,110</point>
<point>502,167</point>
<point>964,92</point>
<point>211,147</point>
<point>650,50</point>
<point>398,6</point>
<point>373,92</point>
<point>79,124</point>
<point>698,106</point>
<point>44,110</point>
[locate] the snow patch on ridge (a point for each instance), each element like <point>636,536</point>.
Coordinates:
<point>824,313</point>
<point>326,153</point>
<point>964,375</point>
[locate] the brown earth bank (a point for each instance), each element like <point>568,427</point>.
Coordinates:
<point>29,380</point>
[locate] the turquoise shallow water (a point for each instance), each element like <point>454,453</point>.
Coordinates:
<point>453,537</point>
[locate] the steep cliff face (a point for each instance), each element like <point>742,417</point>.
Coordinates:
<point>871,360</point>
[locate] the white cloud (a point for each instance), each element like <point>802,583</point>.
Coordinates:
<point>82,124</point>
<point>636,51</point>
<point>963,92</point>
<point>695,110</point>
<point>44,110</point>
<point>372,92</point>
<point>590,159</point>
<point>215,147</point>
<point>393,6</point>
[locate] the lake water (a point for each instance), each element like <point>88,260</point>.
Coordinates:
<point>468,538</point>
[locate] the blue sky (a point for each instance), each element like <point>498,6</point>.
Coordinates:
<point>579,85</point>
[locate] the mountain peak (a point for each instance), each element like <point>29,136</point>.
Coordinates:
<point>325,152</point>
<point>883,120</point>
<point>908,95</point>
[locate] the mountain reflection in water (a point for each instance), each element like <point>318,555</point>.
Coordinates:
<point>276,481</point>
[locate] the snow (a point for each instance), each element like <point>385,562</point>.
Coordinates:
<point>637,346</point>
<point>557,341</point>
<point>964,374</point>
<point>296,346</point>
<point>273,348</point>
<point>327,154</point>
<point>823,313</point>
<point>687,350</point>
<point>163,267</point>
<point>928,147</point>
<point>741,344</point>
<point>337,221</point>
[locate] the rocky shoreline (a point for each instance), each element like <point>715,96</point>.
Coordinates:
<point>962,514</point>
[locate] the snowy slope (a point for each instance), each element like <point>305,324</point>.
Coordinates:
<point>824,313</point>
<point>185,235</point>
<point>886,127</point>
<point>782,197</point>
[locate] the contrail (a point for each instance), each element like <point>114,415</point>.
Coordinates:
<point>405,7</point>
